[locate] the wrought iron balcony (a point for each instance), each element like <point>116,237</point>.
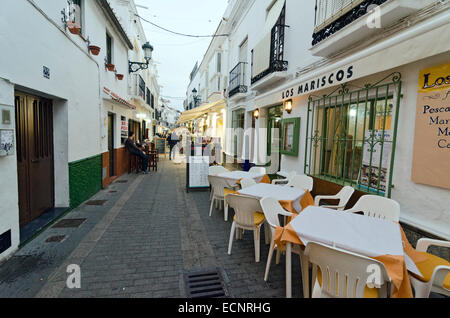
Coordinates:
<point>277,63</point>
<point>237,82</point>
<point>334,15</point>
<point>275,66</point>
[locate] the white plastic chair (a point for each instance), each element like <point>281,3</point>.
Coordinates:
<point>378,207</point>
<point>247,182</point>
<point>285,181</point>
<point>272,209</point>
<point>345,274</point>
<point>343,196</point>
<point>218,185</point>
<point>301,181</point>
<point>436,280</point>
<point>246,218</point>
<point>214,171</point>
<point>260,170</point>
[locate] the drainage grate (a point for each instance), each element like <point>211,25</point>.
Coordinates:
<point>205,284</point>
<point>96,202</point>
<point>69,223</point>
<point>122,181</point>
<point>113,191</point>
<point>55,239</point>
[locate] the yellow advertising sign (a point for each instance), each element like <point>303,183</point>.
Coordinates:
<point>431,164</point>
<point>434,78</point>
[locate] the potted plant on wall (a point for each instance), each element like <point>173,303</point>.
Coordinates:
<point>95,50</point>
<point>74,28</point>
<point>119,76</point>
<point>110,67</point>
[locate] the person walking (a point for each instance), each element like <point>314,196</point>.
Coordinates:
<point>131,146</point>
<point>172,139</point>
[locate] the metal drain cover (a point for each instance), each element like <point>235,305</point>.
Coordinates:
<point>205,284</point>
<point>67,223</point>
<point>55,239</point>
<point>122,181</point>
<point>96,202</point>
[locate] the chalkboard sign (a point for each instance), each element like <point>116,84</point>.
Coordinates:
<point>160,145</point>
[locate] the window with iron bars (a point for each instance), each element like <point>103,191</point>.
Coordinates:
<point>351,136</point>
<point>141,87</point>
<point>148,97</point>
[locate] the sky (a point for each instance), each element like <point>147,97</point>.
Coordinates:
<point>176,55</point>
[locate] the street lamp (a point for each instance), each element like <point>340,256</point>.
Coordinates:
<point>137,66</point>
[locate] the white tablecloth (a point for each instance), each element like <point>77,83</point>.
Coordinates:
<point>281,193</point>
<point>234,176</point>
<point>356,233</point>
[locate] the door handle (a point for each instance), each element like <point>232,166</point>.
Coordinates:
<point>35,161</point>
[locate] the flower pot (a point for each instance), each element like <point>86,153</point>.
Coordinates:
<point>95,50</point>
<point>110,67</point>
<point>119,77</point>
<point>74,28</point>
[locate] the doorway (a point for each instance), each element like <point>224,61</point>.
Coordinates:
<point>111,144</point>
<point>275,115</point>
<point>35,161</point>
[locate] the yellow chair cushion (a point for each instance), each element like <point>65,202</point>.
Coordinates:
<point>229,191</point>
<point>368,292</point>
<point>427,268</point>
<point>259,218</point>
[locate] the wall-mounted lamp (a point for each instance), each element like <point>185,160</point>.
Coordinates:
<point>137,66</point>
<point>288,106</point>
<point>256,113</point>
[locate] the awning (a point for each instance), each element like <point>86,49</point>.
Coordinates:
<point>200,111</point>
<point>117,98</point>
<point>261,52</point>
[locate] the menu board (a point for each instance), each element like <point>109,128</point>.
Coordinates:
<point>198,170</point>
<point>160,145</point>
<point>432,130</point>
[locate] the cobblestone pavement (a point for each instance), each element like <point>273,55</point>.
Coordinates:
<point>139,243</point>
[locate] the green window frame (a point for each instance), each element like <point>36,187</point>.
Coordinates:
<point>352,135</point>
<point>295,124</point>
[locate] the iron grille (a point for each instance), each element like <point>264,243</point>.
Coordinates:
<point>237,79</point>
<point>351,136</point>
<point>205,284</point>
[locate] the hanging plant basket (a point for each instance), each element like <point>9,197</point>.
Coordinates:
<point>95,50</point>
<point>74,28</point>
<point>119,76</point>
<point>110,67</point>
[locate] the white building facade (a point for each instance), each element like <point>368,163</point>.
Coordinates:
<point>61,107</point>
<point>334,92</point>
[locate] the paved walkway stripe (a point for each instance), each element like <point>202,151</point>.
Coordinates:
<point>57,280</point>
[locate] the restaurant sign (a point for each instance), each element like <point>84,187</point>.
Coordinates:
<point>432,132</point>
<point>339,76</point>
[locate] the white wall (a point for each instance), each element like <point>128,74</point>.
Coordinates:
<point>9,209</point>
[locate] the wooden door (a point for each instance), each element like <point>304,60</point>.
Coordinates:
<point>34,135</point>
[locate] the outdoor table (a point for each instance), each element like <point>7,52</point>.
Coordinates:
<point>234,177</point>
<point>380,239</point>
<point>289,198</point>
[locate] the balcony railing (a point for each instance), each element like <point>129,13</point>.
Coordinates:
<point>333,15</point>
<point>277,63</point>
<point>237,79</point>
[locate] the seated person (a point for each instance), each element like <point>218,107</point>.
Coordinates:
<point>131,146</point>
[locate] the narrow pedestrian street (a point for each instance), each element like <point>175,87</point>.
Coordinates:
<point>148,233</point>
